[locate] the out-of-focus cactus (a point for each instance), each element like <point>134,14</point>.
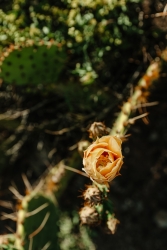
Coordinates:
<point>37,223</point>
<point>139,98</point>
<point>37,213</point>
<point>7,242</point>
<point>32,64</point>
<point>38,218</point>
<point>80,240</point>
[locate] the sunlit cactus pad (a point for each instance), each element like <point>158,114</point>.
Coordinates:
<point>32,64</point>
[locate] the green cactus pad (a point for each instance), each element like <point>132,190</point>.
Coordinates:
<point>37,229</point>
<point>32,65</point>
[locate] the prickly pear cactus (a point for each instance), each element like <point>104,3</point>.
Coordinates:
<point>32,64</point>
<point>37,223</point>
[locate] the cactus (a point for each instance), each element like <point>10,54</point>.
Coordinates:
<point>38,213</point>
<point>40,208</point>
<point>98,208</point>
<point>80,235</point>
<point>37,217</point>
<point>7,242</point>
<point>89,31</point>
<point>37,220</point>
<point>32,64</point>
<point>37,228</point>
<point>139,97</point>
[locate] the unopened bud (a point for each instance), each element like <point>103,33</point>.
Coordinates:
<point>92,195</point>
<point>89,215</point>
<point>112,224</point>
<point>97,129</point>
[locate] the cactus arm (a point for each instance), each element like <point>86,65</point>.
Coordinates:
<point>121,124</point>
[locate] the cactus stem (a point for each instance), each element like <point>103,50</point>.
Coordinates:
<point>139,96</point>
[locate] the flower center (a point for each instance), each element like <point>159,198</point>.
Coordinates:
<point>102,161</point>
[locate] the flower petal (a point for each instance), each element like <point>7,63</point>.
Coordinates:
<point>118,140</point>
<point>108,169</point>
<point>111,156</point>
<point>93,147</point>
<point>114,146</point>
<point>115,171</point>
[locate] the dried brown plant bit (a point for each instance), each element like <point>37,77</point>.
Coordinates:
<point>92,195</point>
<point>112,224</point>
<point>89,216</point>
<point>97,129</point>
<point>103,159</point>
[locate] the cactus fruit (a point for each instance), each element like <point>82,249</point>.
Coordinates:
<point>32,64</point>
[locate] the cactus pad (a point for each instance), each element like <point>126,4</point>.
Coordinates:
<point>32,64</point>
<point>37,228</point>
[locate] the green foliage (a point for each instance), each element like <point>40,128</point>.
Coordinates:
<point>93,32</point>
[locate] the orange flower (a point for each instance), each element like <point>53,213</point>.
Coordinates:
<point>103,159</point>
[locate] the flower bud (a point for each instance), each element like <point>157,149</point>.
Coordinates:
<point>97,129</point>
<point>89,215</point>
<point>92,195</point>
<point>112,224</point>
